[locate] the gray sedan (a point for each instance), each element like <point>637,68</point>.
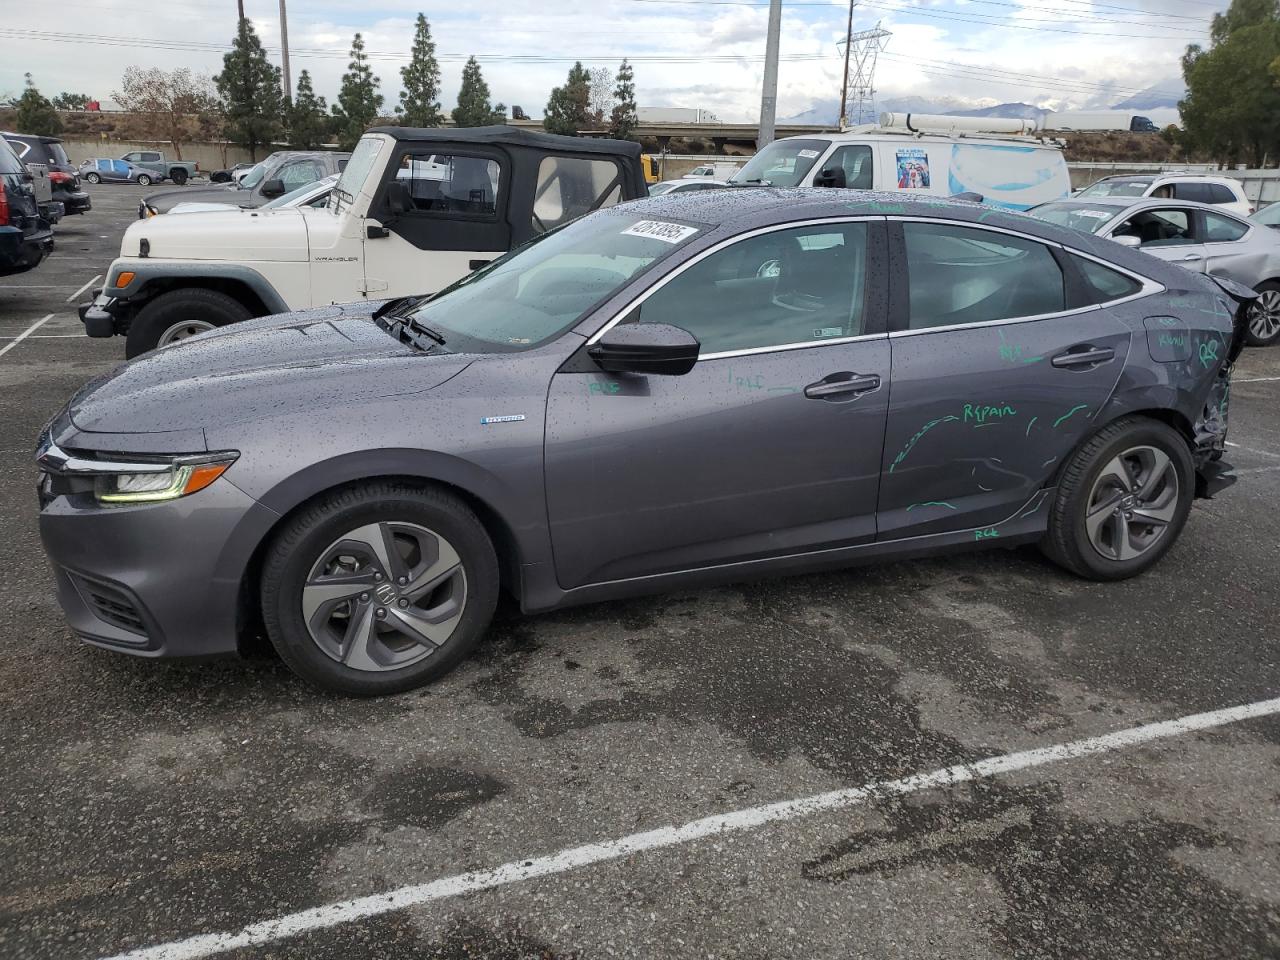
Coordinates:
<point>102,170</point>
<point>668,393</point>
<point>1200,237</point>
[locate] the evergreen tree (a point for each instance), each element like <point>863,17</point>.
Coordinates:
<point>420,98</point>
<point>623,119</point>
<point>36,114</point>
<point>71,101</point>
<point>250,88</point>
<point>568,108</point>
<point>308,117</point>
<point>474,108</point>
<point>359,100</point>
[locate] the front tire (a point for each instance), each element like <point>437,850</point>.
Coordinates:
<point>378,589</point>
<point>1122,501</point>
<point>93,178</point>
<point>1263,327</point>
<point>144,180</point>
<point>179,314</point>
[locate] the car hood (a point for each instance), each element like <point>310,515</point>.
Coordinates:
<point>225,234</point>
<point>164,200</point>
<point>332,356</point>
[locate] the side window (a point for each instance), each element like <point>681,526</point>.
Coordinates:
<point>1220,229</point>
<point>803,285</point>
<point>969,275</point>
<point>299,174</point>
<point>1103,283</point>
<point>1221,193</point>
<point>120,168</point>
<point>151,157</point>
<point>1158,228</point>
<point>1193,191</point>
<point>568,187</point>
<point>451,183</point>
<point>20,148</point>
<point>130,157</point>
<point>855,160</point>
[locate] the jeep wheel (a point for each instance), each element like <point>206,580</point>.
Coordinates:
<point>92,178</point>
<point>179,314</point>
<point>144,180</point>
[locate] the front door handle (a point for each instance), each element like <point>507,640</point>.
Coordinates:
<point>1084,358</point>
<point>838,385</point>
<point>1191,256</point>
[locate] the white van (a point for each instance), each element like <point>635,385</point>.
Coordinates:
<point>720,170</point>
<point>943,156</point>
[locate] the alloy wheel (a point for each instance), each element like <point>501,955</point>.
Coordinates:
<point>1264,316</point>
<point>183,330</point>
<point>384,596</point>
<point>1132,503</point>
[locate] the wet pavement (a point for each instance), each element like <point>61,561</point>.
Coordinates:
<point>145,803</point>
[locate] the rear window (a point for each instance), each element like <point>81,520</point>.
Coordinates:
<point>9,162</point>
<point>1221,193</point>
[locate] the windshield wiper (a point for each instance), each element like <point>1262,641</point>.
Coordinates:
<point>416,324</point>
<point>758,181</point>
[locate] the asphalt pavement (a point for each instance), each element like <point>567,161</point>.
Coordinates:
<point>548,799</point>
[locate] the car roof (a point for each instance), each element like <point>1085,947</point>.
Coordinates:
<point>1143,203</point>
<point>499,134</point>
<point>37,137</point>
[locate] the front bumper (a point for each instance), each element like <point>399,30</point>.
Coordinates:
<point>154,580</point>
<point>97,317</point>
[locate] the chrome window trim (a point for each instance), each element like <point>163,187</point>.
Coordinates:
<point>1149,286</point>
<point>640,298</point>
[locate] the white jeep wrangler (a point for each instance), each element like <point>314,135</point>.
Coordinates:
<point>415,210</point>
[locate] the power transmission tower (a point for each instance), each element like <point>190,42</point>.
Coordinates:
<point>858,95</point>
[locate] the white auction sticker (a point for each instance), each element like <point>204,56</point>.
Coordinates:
<point>660,230</point>
<point>808,154</point>
<point>1095,214</point>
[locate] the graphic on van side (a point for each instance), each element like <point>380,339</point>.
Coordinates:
<point>913,169</point>
<point>1013,177</point>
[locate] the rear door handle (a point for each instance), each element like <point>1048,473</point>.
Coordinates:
<point>839,385</point>
<point>1084,358</point>
<point>1191,256</point>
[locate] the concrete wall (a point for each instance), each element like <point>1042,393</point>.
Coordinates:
<point>208,155</point>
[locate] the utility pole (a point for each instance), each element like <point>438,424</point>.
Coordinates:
<point>844,87</point>
<point>240,7</point>
<point>284,55</point>
<point>769,91</point>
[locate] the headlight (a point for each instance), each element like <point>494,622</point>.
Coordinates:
<point>177,481</point>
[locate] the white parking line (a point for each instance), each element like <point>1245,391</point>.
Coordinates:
<point>346,911</point>
<point>84,288</point>
<point>1254,450</point>
<point>1254,380</point>
<point>26,333</point>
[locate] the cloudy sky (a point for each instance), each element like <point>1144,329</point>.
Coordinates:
<point>692,53</point>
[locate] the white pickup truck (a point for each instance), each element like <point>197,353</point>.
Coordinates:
<point>414,210</point>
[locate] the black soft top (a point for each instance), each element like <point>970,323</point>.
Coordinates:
<point>501,134</point>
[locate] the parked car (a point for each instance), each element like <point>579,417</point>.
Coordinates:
<point>684,186</point>
<point>1199,237</point>
<point>179,171</point>
<point>275,176</point>
<point>101,170</point>
<point>721,170</point>
<point>232,175</point>
<point>25,237</point>
<point>1219,191</point>
<point>1268,216</point>
<point>571,424</point>
<point>308,195</point>
<point>64,179</point>
<point>918,155</point>
<point>414,211</point>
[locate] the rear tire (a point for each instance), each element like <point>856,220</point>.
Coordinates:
<point>1263,327</point>
<point>92,178</point>
<point>344,575</point>
<point>179,314</point>
<point>179,176</point>
<point>144,180</point>
<point>1122,501</point>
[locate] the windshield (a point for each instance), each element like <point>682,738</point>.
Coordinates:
<point>358,167</point>
<point>1116,188</point>
<point>542,289</point>
<point>1270,214</point>
<point>782,163</point>
<point>254,176</point>
<point>302,191</point>
<point>1084,217</point>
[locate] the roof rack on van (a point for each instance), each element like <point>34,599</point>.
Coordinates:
<point>922,124</point>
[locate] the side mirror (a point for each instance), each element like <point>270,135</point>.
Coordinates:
<point>273,188</point>
<point>399,199</point>
<point>1128,240</point>
<point>830,177</point>
<point>648,348</point>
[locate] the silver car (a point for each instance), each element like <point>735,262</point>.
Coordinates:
<point>1198,236</point>
<point>102,170</point>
